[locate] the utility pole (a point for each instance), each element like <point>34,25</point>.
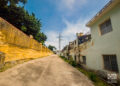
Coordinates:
<point>59,38</point>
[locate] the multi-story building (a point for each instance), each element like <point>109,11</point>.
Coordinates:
<point>103,52</point>
<point>73,49</point>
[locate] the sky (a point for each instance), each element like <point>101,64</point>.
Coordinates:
<point>65,17</point>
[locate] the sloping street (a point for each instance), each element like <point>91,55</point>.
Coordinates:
<point>48,71</point>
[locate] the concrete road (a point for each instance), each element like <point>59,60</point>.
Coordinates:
<point>48,71</point>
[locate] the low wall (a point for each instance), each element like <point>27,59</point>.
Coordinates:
<point>14,42</point>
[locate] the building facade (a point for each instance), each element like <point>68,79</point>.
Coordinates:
<point>104,49</point>
<point>73,49</point>
<point>101,49</point>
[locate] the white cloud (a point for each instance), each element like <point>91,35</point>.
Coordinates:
<point>71,29</point>
<point>52,38</point>
<point>69,5</point>
<point>68,33</point>
<point>74,27</point>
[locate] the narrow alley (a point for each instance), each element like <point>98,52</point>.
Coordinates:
<point>48,71</point>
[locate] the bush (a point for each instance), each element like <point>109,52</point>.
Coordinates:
<point>93,77</point>
<point>73,63</point>
<point>70,61</point>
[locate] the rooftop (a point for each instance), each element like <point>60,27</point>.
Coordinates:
<point>104,10</point>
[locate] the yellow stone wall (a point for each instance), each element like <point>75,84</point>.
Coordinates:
<point>17,45</point>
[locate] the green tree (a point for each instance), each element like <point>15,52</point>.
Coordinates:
<point>4,3</point>
<point>41,37</point>
<point>19,17</point>
<point>51,47</point>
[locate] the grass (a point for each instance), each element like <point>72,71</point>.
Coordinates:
<point>91,75</point>
<point>73,63</point>
<point>9,65</point>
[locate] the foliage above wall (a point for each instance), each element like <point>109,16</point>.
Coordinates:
<point>52,47</point>
<point>11,11</point>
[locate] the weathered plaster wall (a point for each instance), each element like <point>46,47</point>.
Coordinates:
<point>17,37</point>
<point>17,45</point>
<point>105,44</point>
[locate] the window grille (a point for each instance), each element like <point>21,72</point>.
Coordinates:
<point>105,27</point>
<point>110,62</point>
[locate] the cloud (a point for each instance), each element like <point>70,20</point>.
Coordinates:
<point>68,33</point>
<point>71,27</point>
<point>74,27</point>
<point>69,5</point>
<point>52,38</point>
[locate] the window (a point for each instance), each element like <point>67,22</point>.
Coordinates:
<point>84,59</point>
<point>106,27</point>
<point>110,62</point>
<point>75,58</point>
